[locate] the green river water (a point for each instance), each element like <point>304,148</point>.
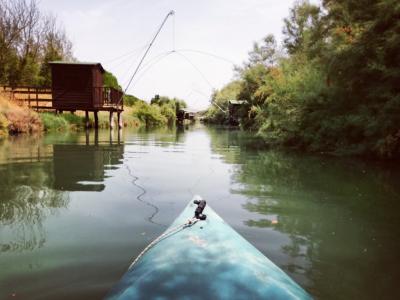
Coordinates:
<point>76,208</point>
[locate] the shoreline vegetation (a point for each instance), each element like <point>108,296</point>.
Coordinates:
<point>331,87</point>
<point>16,119</point>
<point>36,38</point>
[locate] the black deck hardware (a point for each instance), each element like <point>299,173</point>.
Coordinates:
<point>198,213</point>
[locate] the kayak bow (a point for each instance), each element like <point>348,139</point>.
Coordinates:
<point>205,259</point>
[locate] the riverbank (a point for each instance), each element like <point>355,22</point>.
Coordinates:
<point>334,87</point>
<point>76,121</point>
<point>15,119</point>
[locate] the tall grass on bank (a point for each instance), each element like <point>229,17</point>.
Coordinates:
<point>54,122</point>
<point>16,119</point>
<point>68,121</point>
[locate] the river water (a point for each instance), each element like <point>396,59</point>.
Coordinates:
<point>76,208</point>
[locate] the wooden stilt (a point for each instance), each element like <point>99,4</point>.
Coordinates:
<point>119,117</point>
<point>111,119</point>
<point>87,136</point>
<point>87,119</point>
<point>111,136</point>
<point>119,135</point>
<point>96,137</point>
<point>96,119</point>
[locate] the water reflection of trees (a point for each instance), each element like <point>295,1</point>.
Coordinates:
<point>34,178</point>
<point>161,137</point>
<point>25,201</point>
<point>340,215</point>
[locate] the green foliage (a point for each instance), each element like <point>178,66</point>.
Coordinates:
<point>336,90</point>
<point>168,111</point>
<point>29,39</point>
<point>179,104</point>
<point>175,102</point>
<point>61,122</point>
<point>304,29</point>
<point>109,80</point>
<point>216,114</point>
<point>73,120</point>
<point>170,107</point>
<point>130,100</point>
<point>150,115</point>
<point>160,112</point>
<point>54,122</point>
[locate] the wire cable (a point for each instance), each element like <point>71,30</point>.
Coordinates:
<point>196,68</point>
<point>208,54</point>
<point>127,53</point>
<point>143,71</point>
<point>147,51</point>
<point>173,32</point>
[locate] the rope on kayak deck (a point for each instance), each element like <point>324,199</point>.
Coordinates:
<point>166,234</point>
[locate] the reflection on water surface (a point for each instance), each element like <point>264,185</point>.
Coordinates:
<point>76,208</point>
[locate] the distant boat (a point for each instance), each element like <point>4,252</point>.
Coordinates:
<point>204,259</point>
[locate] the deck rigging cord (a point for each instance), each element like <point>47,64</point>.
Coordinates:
<point>166,234</point>
<point>198,216</point>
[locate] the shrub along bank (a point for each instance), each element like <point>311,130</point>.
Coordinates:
<point>333,86</point>
<point>16,119</point>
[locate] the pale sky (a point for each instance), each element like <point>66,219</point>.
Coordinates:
<point>103,30</point>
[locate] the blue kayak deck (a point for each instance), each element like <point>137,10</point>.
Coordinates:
<point>208,260</point>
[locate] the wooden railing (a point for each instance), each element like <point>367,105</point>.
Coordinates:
<point>109,97</point>
<point>33,97</point>
<point>40,98</point>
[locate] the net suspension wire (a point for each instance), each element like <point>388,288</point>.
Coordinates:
<point>161,56</point>
<point>171,13</point>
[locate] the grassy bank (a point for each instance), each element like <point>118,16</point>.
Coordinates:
<point>68,121</point>
<point>139,114</point>
<point>16,119</point>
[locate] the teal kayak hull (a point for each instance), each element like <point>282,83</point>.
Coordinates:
<point>208,260</point>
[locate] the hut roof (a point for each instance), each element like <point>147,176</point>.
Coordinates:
<point>237,102</point>
<point>59,62</point>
